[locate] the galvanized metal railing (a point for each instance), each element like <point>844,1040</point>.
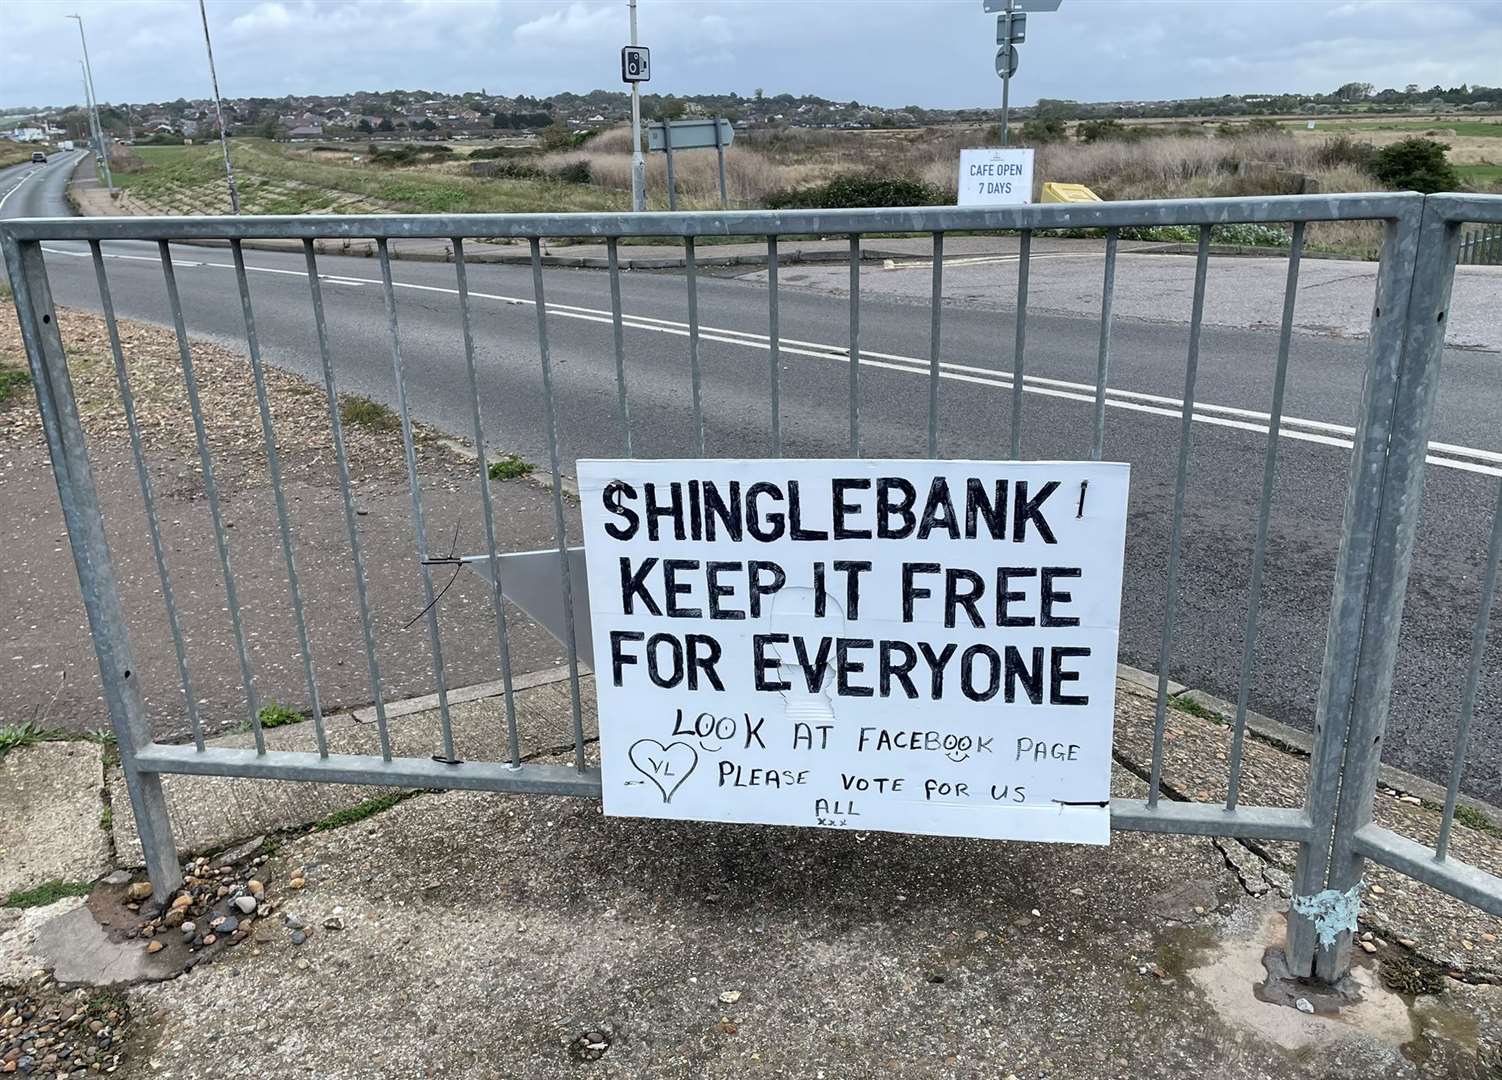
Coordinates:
<point>1333,826</point>
<point>1481,246</point>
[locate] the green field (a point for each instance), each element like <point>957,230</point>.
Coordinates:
<point>1481,175</point>
<point>272,180</point>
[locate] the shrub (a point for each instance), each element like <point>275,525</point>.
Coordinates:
<point>575,172</point>
<point>1344,150</point>
<point>1041,132</point>
<point>1415,164</point>
<point>1091,131</point>
<point>859,191</point>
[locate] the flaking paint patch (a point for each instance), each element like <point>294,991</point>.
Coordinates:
<point>1331,912</point>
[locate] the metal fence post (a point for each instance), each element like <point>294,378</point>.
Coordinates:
<point>96,576</point>
<point>1318,917</point>
<point>1400,498</point>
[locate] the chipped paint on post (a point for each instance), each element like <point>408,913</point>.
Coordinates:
<point>1331,912</point>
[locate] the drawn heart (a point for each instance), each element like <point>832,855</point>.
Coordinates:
<point>666,766</point>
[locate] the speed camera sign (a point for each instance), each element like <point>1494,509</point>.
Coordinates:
<point>636,63</point>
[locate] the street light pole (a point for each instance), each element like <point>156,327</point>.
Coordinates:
<point>88,78</point>
<point>638,162</point>
<point>88,110</point>
<point>229,172</point>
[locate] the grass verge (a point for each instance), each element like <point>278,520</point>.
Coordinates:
<point>49,892</point>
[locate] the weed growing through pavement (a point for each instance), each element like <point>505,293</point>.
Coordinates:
<point>1194,708</point>
<point>26,733</point>
<point>510,467</point>
<point>351,815</point>
<point>274,714</point>
<point>49,892</point>
<point>1472,818</point>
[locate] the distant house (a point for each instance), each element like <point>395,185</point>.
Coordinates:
<point>190,129</point>
<point>306,131</point>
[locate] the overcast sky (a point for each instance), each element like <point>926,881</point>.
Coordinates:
<point>888,52</point>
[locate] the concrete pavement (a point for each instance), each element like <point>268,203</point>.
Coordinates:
<point>471,935</point>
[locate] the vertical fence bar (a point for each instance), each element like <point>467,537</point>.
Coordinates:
<point>274,467</point>
<point>91,556</point>
<point>211,493</point>
<point>419,523</point>
<point>691,265</point>
<point>1024,260</point>
<point>497,596</point>
<point>1103,355</point>
<point>336,427</point>
<point>774,343</point>
<point>1473,677</point>
<point>1176,536</point>
<point>1264,515</point>
<point>1421,341</point>
<point>148,499</point>
<point>855,345</point>
<point>936,321</point>
<point>560,525</point>
<point>618,333</point>
<point>1313,948</point>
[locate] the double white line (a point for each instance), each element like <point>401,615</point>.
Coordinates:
<point>1443,455</point>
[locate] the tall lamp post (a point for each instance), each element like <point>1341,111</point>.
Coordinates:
<point>229,172</point>
<point>88,78</point>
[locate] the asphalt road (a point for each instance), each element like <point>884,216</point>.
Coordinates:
<point>1148,357</point>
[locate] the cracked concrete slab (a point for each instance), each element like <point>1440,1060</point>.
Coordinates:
<point>51,799</point>
<point>210,811</point>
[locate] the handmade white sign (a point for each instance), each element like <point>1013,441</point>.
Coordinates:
<point>991,176</point>
<point>911,646</point>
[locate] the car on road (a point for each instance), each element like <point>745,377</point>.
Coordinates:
<point>38,158</point>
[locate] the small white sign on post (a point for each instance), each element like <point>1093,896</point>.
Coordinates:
<point>991,176</point>
<point>909,646</point>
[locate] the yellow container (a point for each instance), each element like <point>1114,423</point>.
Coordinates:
<point>1068,193</point>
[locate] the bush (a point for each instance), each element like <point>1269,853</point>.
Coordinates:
<point>1344,150</point>
<point>859,191</point>
<point>1091,131</point>
<point>575,172</point>
<point>1042,132</point>
<point>1415,164</point>
<point>409,154</point>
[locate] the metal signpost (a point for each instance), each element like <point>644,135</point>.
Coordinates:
<point>669,136</point>
<point>636,67</point>
<point>1011,30</point>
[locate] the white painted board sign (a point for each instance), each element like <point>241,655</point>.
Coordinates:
<point>909,646</point>
<point>991,176</point>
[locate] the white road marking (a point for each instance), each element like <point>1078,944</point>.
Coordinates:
<point>983,260</point>
<point>19,184</point>
<point>1320,432</point>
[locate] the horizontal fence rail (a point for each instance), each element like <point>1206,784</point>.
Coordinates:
<point>1332,827</point>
